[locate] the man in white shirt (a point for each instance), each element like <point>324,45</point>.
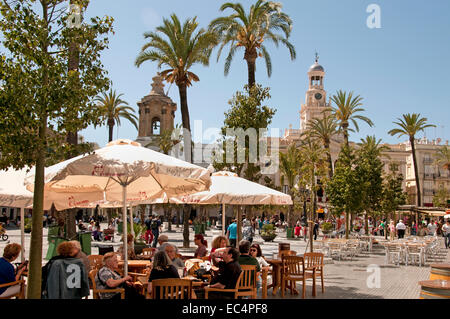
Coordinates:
<point>432,228</point>
<point>401,227</point>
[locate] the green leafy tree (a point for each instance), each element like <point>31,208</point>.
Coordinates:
<point>247,113</point>
<point>344,188</point>
<point>410,125</point>
<point>370,169</point>
<point>346,111</point>
<point>179,47</point>
<point>113,108</point>
<point>441,197</point>
<point>313,167</point>
<point>41,101</point>
<point>250,31</point>
<point>393,194</point>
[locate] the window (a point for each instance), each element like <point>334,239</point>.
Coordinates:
<point>156,126</point>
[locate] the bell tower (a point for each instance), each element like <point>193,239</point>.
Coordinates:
<point>316,96</point>
<point>156,112</point>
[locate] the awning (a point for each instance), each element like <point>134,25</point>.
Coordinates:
<point>433,212</point>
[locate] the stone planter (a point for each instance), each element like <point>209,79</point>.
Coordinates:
<point>268,237</point>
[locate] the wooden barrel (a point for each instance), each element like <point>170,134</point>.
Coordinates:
<point>440,271</point>
<point>284,246</point>
<point>435,289</point>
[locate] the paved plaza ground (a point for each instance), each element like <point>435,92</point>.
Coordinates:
<point>346,279</point>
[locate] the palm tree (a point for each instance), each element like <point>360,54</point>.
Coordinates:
<point>168,139</point>
<point>442,157</point>
<point>372,146</point>
<point>289,167</point>
<point>113,108</point>
<point>410,125</point>
<point>249,31</point>
<point>324,129</point>
<point>345,112</point>
<point>182,49</point>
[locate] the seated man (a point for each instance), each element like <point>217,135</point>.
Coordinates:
<point>108,278</point>
<point>171,252</point>
<point>229,271</point>
<point>244,257</point>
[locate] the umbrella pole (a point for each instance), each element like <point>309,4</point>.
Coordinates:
<point>132,225</point>
<point>125,231</point>
<point>22,233</point>
<point>223,219</point>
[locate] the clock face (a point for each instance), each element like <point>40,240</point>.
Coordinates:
<point>318,96</point>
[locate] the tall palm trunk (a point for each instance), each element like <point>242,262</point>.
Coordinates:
<point>329,159</point>
<point>111,129</point>
<point>250,57</point>
<point>345,130</point>
<point>416,171</point>
<point>186,215</point>
<point>182,88</point>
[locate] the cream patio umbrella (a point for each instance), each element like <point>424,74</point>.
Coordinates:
<point>13,193</point>
<point>126,172</point>
<point>229,188</point>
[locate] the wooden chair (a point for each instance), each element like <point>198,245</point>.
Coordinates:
<point>235,290</point>
<point>286,253</point>
<point>96,262</point>
<point>293,270</point>
<point>18,295</point>
<point>171,288</point>
<point>96,291</point>
<point>314,268</point>
<point>247,284</point>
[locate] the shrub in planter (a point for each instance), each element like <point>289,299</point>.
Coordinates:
<point>326,227</point>
<point>268,232</point>
<point>27,225</point>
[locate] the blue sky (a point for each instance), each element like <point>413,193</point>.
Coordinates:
<point>403,67</point>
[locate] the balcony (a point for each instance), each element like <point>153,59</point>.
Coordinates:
<point>428,161</point>
<point>428,176</point>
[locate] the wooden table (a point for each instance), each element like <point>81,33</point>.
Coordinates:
<point>276,264</point>
<point>435,289</point>
<point>138,265</point>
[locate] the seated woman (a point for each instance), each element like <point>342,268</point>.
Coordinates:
<point>97,233</point>
<point>131,254</point>
<point>108,278</point>
<point>162,269</point>
<point>201,243</point>
<point>255,251</point>
<point>219,245</point>
<point>7,272</point>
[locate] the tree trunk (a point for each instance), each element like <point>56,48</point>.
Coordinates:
<point>35,268</point>
<point>250,57</point>
<point>416,172</point>
<point>71,228</point>
<point>186,214</point>
<point>178,218</point>
<point>169,222</point>
<point>111,130</point>
<point>347,226</point>
<point>345,129</point>
<point>366,222</point>
<point>182,88</point>
<point>330,161</point>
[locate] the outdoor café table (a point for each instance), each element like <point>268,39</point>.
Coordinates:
<point>276,264</point>
<point>435,289</point>
<point>136,265</point>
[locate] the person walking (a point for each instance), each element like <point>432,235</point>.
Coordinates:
<point>316,229</point>
<point>400,227</point>
<point>391,230</point>
<point>232,233</point>
<point>155,226</point>
<point>446,233</point>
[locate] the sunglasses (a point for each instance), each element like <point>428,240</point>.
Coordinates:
<point>253,250</point>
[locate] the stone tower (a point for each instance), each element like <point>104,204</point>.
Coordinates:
<point>316,96</point>
<point>156,112</point>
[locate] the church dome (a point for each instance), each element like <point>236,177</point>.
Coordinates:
<point>316,67</point>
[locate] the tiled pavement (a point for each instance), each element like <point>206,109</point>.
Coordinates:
<point>343,279</point>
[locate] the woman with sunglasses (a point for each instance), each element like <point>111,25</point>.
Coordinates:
<point>255,251</point>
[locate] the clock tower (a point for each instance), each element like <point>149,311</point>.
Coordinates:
<point>316,96</point>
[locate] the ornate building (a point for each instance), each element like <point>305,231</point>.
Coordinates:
<point>156,113</point>
<point>431,176</point>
